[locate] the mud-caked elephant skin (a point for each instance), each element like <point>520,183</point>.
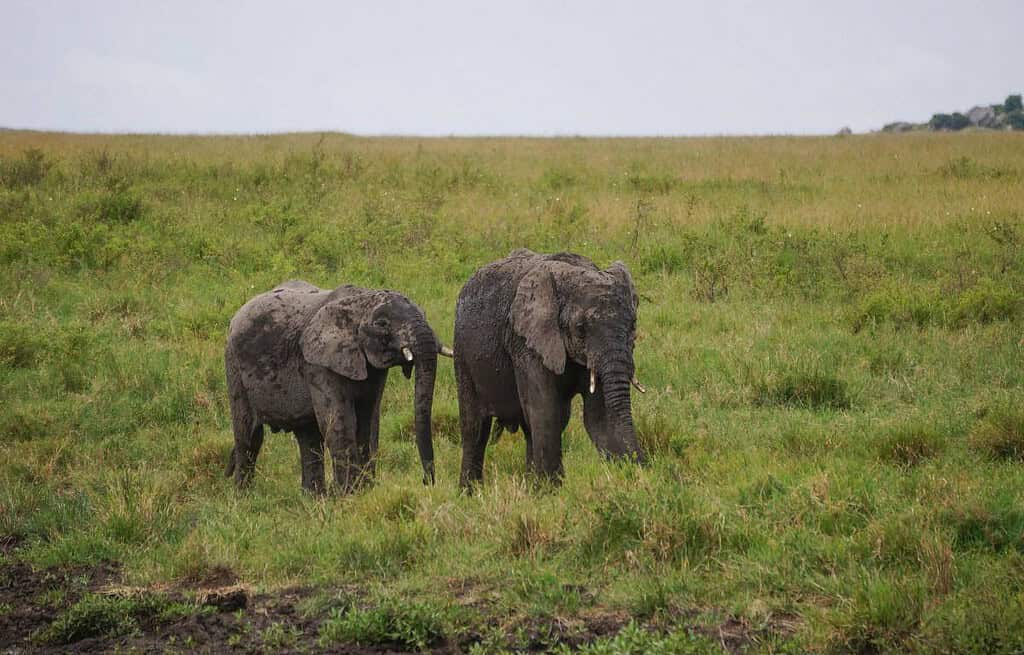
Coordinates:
<point>531,332</point>
<point>314,362</point>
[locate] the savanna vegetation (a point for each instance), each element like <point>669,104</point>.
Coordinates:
<point>830,332</point>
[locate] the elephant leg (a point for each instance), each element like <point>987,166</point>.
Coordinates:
<point>311,453</point>
<point>248,432</point>
<point>476,431</point>
<point>528,437</point>
<point>248,437</point>
<point>336,417</point>
<point>248,441</point>
<point>367,435</point>
<point>546,411</point>
<point>341,441</point>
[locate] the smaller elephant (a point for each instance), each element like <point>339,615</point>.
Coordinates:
<point>314,362</point>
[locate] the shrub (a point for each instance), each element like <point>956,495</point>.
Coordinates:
<point>557,179</point>
<point>29,170</point>
<point>634,640</point>
<point>659,258</point>
<point>804,389</point>
<point>954,121</point>
<point>20,346</point>
<point>882,615</point>
<point>986,302</point>
<point>1000,434</point>
<point>95,615</point>
<point>1013,103</point>
<point>119,205</point>
<point>657,184</point>
<point>408,624</point>
<point>995,524</point>
<point>911,444</point>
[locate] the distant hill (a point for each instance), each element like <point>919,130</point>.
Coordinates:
<point>1007,116</point>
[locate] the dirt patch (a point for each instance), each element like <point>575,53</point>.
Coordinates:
<point>31,600</point>
<point>233,618</point>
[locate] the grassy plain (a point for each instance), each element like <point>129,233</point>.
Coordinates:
<point>830,332</point>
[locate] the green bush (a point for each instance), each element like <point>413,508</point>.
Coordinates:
<point>634,640</point>
<point>808,389</point>
<point>1000,433</point>
<point>557,179</point>
<point>882,615</point>
<point>28,170</point>
<point>994,524</point>
<point>986,302</point>
<point>954,121</point>
<point>911,444</point>
<point>20,345</point>
<point>110,616</point>
<point>410,625</point>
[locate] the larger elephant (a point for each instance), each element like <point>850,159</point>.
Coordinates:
<point>314,362</point>
<point>531,332</point>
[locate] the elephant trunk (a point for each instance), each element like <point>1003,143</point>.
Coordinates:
<point>616,371</point>
<point>425,350</point>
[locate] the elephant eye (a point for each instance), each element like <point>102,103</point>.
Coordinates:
<point>381,322</point>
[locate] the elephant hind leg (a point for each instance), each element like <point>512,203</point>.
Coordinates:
<point>311,452</point>
<point>248,441</point>
<point>476,432</point>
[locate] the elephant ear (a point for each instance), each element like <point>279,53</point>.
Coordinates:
<point>621,274</point>
<point>534,316</point>
<point>330,340</point>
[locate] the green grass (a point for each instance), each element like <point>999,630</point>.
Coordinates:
<point>108,616</point>
<point>829,331</point>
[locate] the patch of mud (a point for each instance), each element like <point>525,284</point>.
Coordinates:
<point>230,617</point>
<point>31,600</point>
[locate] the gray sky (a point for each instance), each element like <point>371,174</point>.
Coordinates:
<point>524,67</point>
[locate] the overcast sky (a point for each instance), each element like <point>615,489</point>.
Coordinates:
<point>523,67</point>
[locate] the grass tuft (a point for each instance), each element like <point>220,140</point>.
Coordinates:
<point>406,624</point>
<point>999,434</point>
<point>911,444</point>
<point>803,389</point>
<point>108,616</point>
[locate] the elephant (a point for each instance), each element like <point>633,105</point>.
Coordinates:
<point>531,332</point>
<point>314,362</point>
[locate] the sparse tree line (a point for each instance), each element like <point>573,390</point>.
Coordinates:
<point>1006,116</point>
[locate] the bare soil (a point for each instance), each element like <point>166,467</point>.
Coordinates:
<point>229,617</point>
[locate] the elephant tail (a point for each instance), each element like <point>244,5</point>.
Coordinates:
<point>230,469</point>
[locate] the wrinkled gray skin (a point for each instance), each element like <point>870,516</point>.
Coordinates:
<point>314,362</point>
<point>528,329</point>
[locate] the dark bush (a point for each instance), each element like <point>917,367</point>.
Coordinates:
<point>29,170</point>
<point>954,121</point>
<point>806,389</point>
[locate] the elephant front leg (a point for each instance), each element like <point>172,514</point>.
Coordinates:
<point>345,456</point>
<point>368,433</point>
<point>311,453</point>
<point>336,417</point>
<point>546,410</point>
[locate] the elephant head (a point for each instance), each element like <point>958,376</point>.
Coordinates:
<point>582,320</point>
<point>380,329</point>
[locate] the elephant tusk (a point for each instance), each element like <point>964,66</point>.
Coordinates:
<point>636,383</point>
<point>447,352</point>
<point>593,381</point>
<point>407,353</point>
